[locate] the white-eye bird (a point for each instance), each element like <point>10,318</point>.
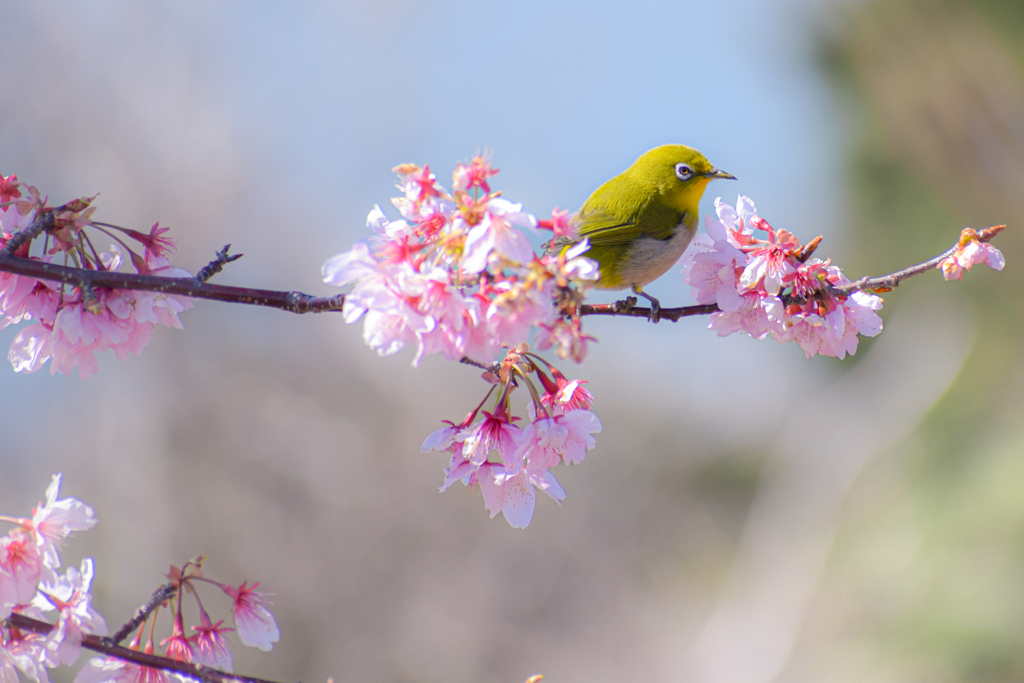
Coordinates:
<point>640,222</point>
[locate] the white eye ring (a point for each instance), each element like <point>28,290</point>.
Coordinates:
<point>684,172</point>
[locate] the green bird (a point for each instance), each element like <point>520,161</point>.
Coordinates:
<point>640,222</point>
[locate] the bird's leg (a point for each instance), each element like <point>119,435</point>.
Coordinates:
<point>655,314</point>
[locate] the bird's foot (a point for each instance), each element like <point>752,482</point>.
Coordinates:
<point>655,314</point>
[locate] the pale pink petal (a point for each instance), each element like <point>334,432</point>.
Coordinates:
<point>254,623</point>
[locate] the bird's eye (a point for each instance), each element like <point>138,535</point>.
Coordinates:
<point>684,172</point>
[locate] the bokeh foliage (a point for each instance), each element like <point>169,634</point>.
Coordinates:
<point>924,582</point>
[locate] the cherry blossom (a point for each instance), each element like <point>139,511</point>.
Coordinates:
<point>474,175</point>
<point>970,252</point>
<point>494,433</point>
<point>457,274</point>
<point>177,646</point>
<point>70,326</point>
<point>508,463</point>
<point>70,596</point>
<point>113,670</point>
<point>254,623</point>
<point>514,495</point>
<point>209,646</point>
<point>770,287</point>
<point>21,566</point>
<point>55,520</point>
<point>25,652</point>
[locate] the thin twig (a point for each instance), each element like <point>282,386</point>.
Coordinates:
<point>294,302</point>
<point>103,646</point>
<point>43,222</point>
<point>493,367</point>
<point>892,280</point>
<point>217,264</point>
<point>162,594</point>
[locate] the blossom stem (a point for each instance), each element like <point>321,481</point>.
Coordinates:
<point>533,391</point>
<point>103,646</point>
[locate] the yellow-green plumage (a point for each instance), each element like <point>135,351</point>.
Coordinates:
<point>640,222</point>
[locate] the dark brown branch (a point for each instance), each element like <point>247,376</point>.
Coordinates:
<point>162,594</point>
<point>103,646</point>
<point>297,302</point>
<point>40,224</point>
<point>294,302</point>
<point>217,264</point>
<point>633,311</point>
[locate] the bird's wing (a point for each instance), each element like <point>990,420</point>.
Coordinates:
<point>602,228</point>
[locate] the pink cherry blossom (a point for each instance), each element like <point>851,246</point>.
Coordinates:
<point>21,566</point>
<point>514,495</point>
<point>70,596</point>
<point>494,433</point>
<point>566,337</point>
<point>25,652</point>
<point>177,646</point>
<point>456,275</point>
<point>210,648</point>
<point>562,395</point>
<point>120,320</point>
<point>473,176</point>
<point>547,441</point>
<point>560,223</point>
<point>970,252</point>
<point>442,440</point>
<point>497,232</point>
<point>113,670</point>
<point>254,623</point>
<point>55,520</point>
<point>763,289</point>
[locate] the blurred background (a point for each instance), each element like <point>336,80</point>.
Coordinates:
<point>748,515</point>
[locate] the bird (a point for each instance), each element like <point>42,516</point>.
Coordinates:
<point>640,222</point>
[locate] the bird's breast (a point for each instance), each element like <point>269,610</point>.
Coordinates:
<point>648,258</point>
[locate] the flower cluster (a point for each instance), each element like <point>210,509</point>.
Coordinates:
<point>508,462</point>
<point>32,585</point>
<point>766,284</point>
<point>254,625</point>
<point>68,325</point>
<point>457,274</point>
<point>970,251</point>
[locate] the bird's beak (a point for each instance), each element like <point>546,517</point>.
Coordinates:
<point>715,173</point>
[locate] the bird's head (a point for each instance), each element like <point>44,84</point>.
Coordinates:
<point>677,173</point>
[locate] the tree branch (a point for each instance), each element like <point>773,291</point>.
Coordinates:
<point>40,224</point>
<point>884,283</point>
<point>889,282</point>
<point>164,592</point>
<point>297,302</point>
<point>293,302</point>
<point>104,646</point>
<point>628,307</point>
